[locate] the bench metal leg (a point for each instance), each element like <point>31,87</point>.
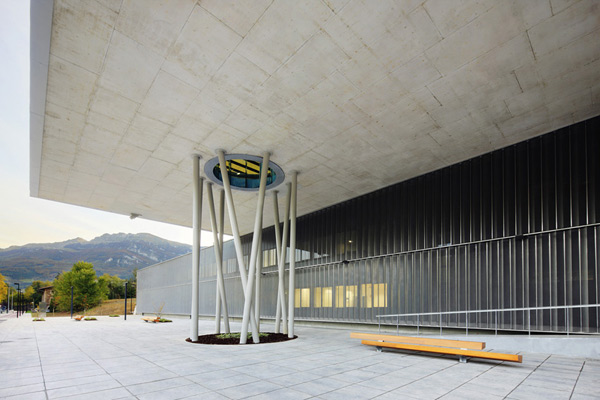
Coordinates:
<point>379,349</point>
<point>462,359</point>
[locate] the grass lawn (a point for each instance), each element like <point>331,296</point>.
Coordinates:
<point>107,307</point>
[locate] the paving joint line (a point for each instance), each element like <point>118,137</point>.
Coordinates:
<point>528,375</point>
<point>576,381</point>
<point>37,346</point>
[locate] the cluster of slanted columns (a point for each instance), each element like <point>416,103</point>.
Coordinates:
<point>250,275</point>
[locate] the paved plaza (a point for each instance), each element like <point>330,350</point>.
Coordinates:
<point>115,359</point>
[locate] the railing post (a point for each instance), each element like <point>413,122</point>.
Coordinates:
<point>398,324</point>
<point>378,324</point>
<point>467,322</point>
<point>440,324</point>
<point>529,322</point>
<point>567,314</point>
<point>418,324</point>
<point>496,323</point>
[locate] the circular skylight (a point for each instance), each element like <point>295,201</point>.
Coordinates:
<point>244,172</point>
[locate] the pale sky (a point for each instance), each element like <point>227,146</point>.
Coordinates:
<point>24,219</point>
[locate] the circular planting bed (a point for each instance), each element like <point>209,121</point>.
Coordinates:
<point>234,338</point>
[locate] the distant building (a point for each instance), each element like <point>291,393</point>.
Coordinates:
<point>47,293</point>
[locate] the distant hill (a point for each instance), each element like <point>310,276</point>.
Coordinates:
<point>116,254</point>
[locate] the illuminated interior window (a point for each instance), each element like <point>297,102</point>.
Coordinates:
<point>302,298</point>
<point>351,295</point>
<point>373,295</point>
<point>340,298</point>
<point>317,297</point>
<point>305,298</point>
<point>366,295</point>
<point>380,295</point>
<point>269,258</point>
<point>327,296</point>
<point>323,297</point>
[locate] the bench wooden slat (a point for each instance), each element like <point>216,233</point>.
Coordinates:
<point>445,350</point>
<point>419,340</point>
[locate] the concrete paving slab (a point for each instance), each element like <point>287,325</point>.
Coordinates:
<point>249,389</point>
<point>116,359</point>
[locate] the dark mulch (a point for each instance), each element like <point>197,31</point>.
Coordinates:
<point>213,339</point>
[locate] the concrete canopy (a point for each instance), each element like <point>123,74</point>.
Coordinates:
<point>355,95</point>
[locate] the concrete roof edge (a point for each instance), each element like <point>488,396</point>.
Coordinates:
<point>40,31</point>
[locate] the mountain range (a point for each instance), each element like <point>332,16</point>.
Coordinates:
<point>115,254</point>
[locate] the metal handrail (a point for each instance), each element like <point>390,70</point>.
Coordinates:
<point>496,311</point>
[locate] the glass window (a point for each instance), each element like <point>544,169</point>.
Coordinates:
<point>373,295</point>
<point>305,298</point>
<point>302,298</point>
<point>351,295</point>
<point>327,296</point>
<point>380,295</point>
<point>366,295</point>
<point>269,258</point>
<point>317,297</point>
<point>323,297</point>
<point>340,298</point>
<point>231,265</point>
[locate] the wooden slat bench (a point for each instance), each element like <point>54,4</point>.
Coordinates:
<point>462,348</point>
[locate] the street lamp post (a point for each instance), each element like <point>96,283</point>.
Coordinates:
<point>18,301</point>
<point>125,300</point>
<point>7,297</point>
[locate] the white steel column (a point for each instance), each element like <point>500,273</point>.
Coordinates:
<point>276,224</point>
<point>254,252</point>
<point>221,299</point>
<point>292,284</point>
<point>237,241</point>
<point>259,262</point>
<point>278,254</point>
<point>281,266</point>
<point>197,222</point>
<point>221,230</point>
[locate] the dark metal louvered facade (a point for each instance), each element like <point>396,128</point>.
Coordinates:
<point>518,227</point>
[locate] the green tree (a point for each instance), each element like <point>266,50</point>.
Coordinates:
<point>88,290</point>
<point>132,284</point>
<point>115,286</point>
<point>3,290</point>
<point>28,294</point>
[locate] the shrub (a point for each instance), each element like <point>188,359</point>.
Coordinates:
<point>236,335</point>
